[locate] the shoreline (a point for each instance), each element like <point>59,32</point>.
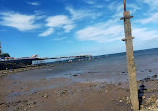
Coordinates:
<point>27,68</point>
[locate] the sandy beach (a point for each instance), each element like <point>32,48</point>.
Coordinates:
<point>64,94</point>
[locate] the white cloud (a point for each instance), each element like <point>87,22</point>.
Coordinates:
<point>152,3</point>
<point>66,23</point>
<point>106,0</point>
<point>99,6</point>
<point>68,27</point>
<point>90,1</point>
<point>96,3</point>
<point>47,32</point>
<point>133,8</point>
<point>153,18</point>
<point>145,34</point>
<point>33,3</point>
<point>75,14</point>
<point>58,21</point>
<point>61,38</point>
<point>102,32</point>
<point>118,8</point>
<point>110,31</point>
<point>81,14</point>
<point>19,21</point>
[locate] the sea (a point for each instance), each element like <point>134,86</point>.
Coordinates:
<point>103,68</point>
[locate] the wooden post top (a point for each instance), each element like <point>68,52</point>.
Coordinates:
<point>126,15</point>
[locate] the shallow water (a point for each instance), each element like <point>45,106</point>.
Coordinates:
<point>111,68</point>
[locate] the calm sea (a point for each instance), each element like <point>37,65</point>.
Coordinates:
<point>105,68</point>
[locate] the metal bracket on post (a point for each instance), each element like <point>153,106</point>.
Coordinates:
<point>126,17</point>
<point>124,39</point>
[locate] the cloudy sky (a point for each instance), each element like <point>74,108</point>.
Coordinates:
<point>73,27</point>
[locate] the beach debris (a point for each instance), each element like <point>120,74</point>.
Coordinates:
<point>151,99</point>
<point>150,105</point>
<point>83,96</point>
<point>18,101</point>
<point>150,70</point>
<point>120,101</point>
<point>75,75</point>
<point>99,91</point>
<point>1,103</point>
<point>149,108</point>
<point>143,97</point>
<point>4,72</point>
<point>147,79</point>
<point>154,76</point>
<point>119,83</point>
<point>127,98</point>
<point>45,96</point>
<point>64,91</point>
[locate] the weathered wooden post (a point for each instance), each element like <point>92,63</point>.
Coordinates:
<point>130,59</point>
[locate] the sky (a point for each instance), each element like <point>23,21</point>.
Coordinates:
<point>52,28</point>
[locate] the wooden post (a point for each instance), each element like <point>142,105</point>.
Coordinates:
<point>130,61</point>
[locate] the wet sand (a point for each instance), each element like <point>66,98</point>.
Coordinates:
<point>69,92</point>
<point>64,96</point>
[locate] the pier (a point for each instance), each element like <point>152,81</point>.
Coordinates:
<point>24,61</point>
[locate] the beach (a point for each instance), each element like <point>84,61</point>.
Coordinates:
<point>99,84</point>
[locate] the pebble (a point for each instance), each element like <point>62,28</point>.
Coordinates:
<point>75,75</point>
<point>4,72</point>
<point>127,98</point>
<point>154,76</point>
<point>1,103</point>
<point>120,101</point>
<point>143,97</point>
<point>150,70</point>
<point>45,96</point>
<point>119,83</point>
<point>149,108</point>
<point>64,91</point>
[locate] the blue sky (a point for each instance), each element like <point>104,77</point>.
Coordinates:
<point>72,27</point>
